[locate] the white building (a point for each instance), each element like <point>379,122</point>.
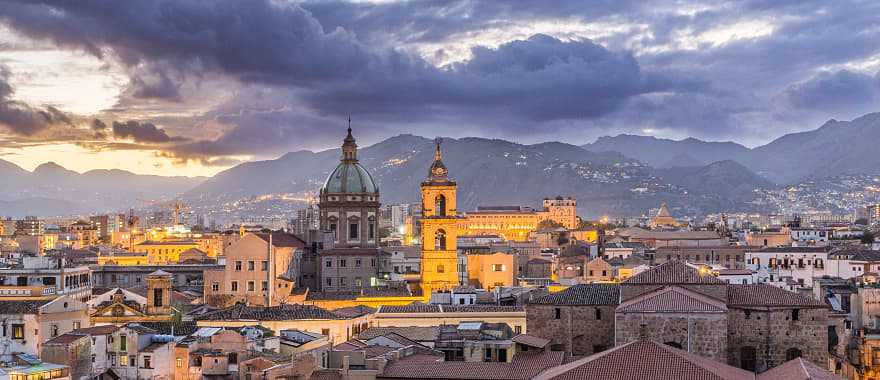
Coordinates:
<point>27,324</point>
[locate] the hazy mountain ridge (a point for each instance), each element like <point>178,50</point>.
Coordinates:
<point>52,190</point>
<point>491,172</point>
<point>836,147</point>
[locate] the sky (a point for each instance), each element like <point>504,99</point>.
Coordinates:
<point>187,87</point>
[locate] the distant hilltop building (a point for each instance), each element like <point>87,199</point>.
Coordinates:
<point>663,218</point>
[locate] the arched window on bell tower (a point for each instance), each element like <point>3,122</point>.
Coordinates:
<point>440,205</point>
<point>440,240</point>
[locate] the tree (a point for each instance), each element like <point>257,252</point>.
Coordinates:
<point>868,237</point>
<point>548,224</point>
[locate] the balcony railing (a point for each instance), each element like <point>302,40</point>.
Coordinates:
<point>26,291</point>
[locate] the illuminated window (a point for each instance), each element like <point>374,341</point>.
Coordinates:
<point>123,360</point>
<point>179,363</point>
<point>17,331</point>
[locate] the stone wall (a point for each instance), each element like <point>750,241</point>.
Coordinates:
<point>577,331</point>
<point>772,333</point>
<point>704,334</point>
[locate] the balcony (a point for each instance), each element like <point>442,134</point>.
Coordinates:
<point>27,291</point>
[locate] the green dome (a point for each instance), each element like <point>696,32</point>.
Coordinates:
<point>350,177</point>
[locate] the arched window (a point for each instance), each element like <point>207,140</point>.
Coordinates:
<point>440,240</point>
<point>748,358</point>
<point>792,353</point>
<point>441,269</point>
<point>440,205</point>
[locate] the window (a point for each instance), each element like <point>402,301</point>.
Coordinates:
<point>329,281</point>
<point>264,286</point>
<point>372,262</point>
<point>598,314</point>
<point>179,362</point>
<point>795,315</point>
<point>264,265</point>
<point>357,263</point>
<point>342,281</point>
<point>234,286</point>
<point>325,332</point>
<point>352,231</point>
<point>17,331</point>
<point>123,360</point>
<point>748,314</point>
<point>342,263</point>
<point>77,325</point>
<point>498,267</point>
<point>215,286</point>
<point>238,266</point>
<point>440,240</point>
<point>123,343</point>
<point>251,286</point>
<point>557,313</point>
<point>233,358</point>
<point>604,273</point>
<point>372,234</point>
<point>132,361</point>
<point>328,264</point>
<point>252,265</point>
<point>441,269</point>
<point>517,329</point>
<point>488,355</point>
<point>54,330</point>
<point>792,353</point>
<point>147,361</point>
<point>157,297</point>
<point>440,205</point>
<point>358,282</point>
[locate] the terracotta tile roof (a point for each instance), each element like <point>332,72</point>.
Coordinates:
<point>524,365</point>
<point>673,272</point>
<point>645,360</point>
<point>21,307</point>
<point>422,358</point>
<point>326,374</point>
<point>531,340</point>
<point>65,339</point>
<point>350,345</point>
<point>281,239</point>
<point>414,307</point>
<point>480,309</point>
<point>767,296</point>
<point>675,235</point>
<point>418,334</point>
<point>97,330</point>
<point>354,311</point>
<point>181,328</point>
<point>798,369</point>
<point>272,313</point>
<point>583,294</point>
<point>672,299</point>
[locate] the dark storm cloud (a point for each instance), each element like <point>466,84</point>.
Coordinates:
<point>324,60</point>
<point>21,118</point>
<point>840,90</point>
<point>141,132</point>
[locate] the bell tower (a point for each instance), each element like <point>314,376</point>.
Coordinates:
<point>439,268</point>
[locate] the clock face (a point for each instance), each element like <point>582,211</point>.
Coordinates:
<point>438,171</point>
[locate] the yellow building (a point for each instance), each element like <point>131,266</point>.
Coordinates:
<point>488,271</point>
<point>163,252</point>
<point>439,269</point>
<point>124,258</point>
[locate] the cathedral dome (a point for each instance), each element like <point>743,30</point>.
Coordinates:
<point>350,177</point>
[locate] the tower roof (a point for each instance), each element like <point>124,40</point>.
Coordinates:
<point>438,172</point>
<point>664,211</point>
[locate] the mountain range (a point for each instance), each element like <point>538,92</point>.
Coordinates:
<point>837,147</point>
<point>619,175</point>
<point>52,190</point>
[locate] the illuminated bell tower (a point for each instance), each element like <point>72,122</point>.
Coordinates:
<point>439,233</point>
